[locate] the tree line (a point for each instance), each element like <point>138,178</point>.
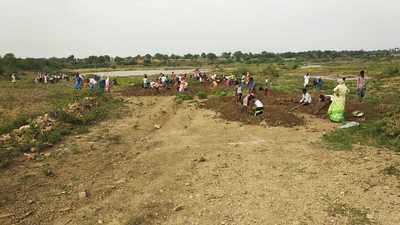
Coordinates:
<point>9,63</point>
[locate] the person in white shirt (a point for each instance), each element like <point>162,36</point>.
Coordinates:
<point>306,99</point>
<point>239,94</point>
<point>146,83</point>
<point>92,84</point>
<point>306,80</point>
<point>259,107</point>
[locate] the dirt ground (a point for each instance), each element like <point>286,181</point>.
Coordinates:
<point>195,167</point>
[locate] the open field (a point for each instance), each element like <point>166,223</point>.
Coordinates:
<point>163,158</point>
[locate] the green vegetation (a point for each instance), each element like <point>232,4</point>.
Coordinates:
<point>202,95</point>
<point>21,108</point>
<point>369,133</point>
<point>353,215</point>
<point>393,170</point>
<point>183,97</point>
<point>9,63</point>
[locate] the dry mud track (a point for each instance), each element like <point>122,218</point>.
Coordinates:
<point>200,169</point>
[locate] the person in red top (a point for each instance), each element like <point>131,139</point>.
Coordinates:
<point>361,85</point>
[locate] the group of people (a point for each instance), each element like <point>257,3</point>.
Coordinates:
<point>46,78</point>
<point>95,83</point>
<point>245,90</point>
<point>250,102</point>
<point>180,82</point>
<point>336,101</point>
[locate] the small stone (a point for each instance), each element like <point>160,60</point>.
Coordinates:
<point>370,217</point>
<point>157,126</point>
<point>187,184</point>
<point>100,221</point>
<point>29,156</point>
<point>83,195</point>
<point>5,215</point>
<point>202,159</point>
<point>178,208</point>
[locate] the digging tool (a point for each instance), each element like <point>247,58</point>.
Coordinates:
<point>295,107</point>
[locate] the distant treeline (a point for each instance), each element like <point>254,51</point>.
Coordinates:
<point>9,63</point>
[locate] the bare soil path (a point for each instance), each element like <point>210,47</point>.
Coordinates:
<point>200,169</point>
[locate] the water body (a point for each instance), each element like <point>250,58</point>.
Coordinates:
<point>135,73</point>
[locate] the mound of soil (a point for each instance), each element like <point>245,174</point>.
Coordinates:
<point>137,90</point>
<point>280,107</point>
<point>274,115</point>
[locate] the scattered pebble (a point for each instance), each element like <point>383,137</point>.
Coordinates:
<point>178,208</point>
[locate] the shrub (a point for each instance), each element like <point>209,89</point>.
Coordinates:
<point>18,122</point>
<point>183,97</point>
<point>202,95</point>
<point>391,71</point>
<point>270,71</point>
<point>221,93</point>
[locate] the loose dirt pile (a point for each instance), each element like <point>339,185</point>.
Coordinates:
<point>274,115</point>
<point>43,131</point>
<point>278,106</point>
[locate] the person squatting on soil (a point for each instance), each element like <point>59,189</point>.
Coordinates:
<point>318,83</point>
<point>258,107</point>
<point>306,98</point>
<point>324,101</point>
<point>337,108</point>
<point>361,85</point>
<point>245,102</point>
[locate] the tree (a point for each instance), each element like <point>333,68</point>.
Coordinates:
<point>211,57</point>
<point>226,55</point>
<point>9,63</point>
<point>238,55</point>
<point>188,56</point>
<point>147,59</point>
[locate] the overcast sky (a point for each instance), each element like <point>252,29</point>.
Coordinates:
<point>45,28</point>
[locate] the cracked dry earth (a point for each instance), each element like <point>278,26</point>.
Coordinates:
<point>196,168</point>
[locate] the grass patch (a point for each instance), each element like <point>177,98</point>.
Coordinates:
<point>17,123</point>
<point>371,133</point>
<point>183,97</point>
<point>202,95</point>
<point>392,170</point>
<point>339,140</point>
<point>354,216</point>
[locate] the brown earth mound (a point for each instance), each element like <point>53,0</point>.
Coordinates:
<point>275,115</point>
<point>280,107</point>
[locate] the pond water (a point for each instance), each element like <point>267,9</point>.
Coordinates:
<point>133,73</point>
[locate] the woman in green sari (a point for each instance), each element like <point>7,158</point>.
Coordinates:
<point>337,107</point>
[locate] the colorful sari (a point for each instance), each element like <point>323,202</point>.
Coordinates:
<point>337,107</point>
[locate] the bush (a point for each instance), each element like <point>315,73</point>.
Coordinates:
<point>17,123</point>
<point>221,93</point>
<point>391,71</point>
<point>202,95</point>
<point>183,97</point>
<point>65,117</point>
<point>392,124</point>
<point>270,71</point>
